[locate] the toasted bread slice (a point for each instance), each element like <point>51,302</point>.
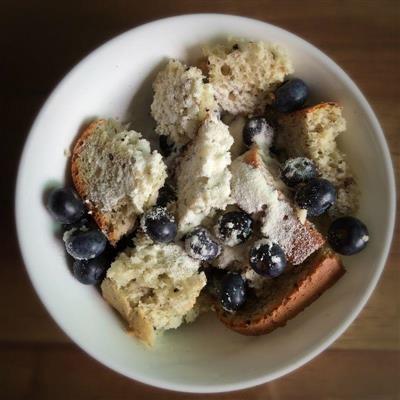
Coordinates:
<point>312,133</point>
<point>284,297</point>
<point>257,190</point>
<point>116,174</point>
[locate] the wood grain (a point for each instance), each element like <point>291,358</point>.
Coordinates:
<point>62,371</point>
<point>40,42</point>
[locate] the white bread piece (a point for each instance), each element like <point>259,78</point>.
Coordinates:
<point>116,174</point>
<point>244,73</point>
<point>254,184</point>
<point>257,191</point>
<point>203,177</point>
<point>181,101</point>
<point>312,132</point>
<point>154,286</point>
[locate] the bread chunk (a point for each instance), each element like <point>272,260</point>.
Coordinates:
<point>257,191</point>
<point>203,177</point>
<point>284,297</point>
<point>116,174</point>
<point>154,287</point>
<point>312,133</point>
<point>181,101</point>
<point>244,74</point>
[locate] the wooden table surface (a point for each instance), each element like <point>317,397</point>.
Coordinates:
<point>39,43</point>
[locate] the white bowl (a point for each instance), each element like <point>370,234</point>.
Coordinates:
<point>115,81</point>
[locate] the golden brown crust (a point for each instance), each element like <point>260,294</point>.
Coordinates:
<point>321,275</point>
<point>305,111</point>
<point>252,157</point>
<point>102,220</point>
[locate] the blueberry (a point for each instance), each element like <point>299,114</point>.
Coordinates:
<point>290,96</point>
<point>65,205</point>
<point>200,244</point>
<point>85,245</point>
<point>267,258</point>
<point>258,130</point>
<point>233,292</point>
<point>166,195</point>
<point>298,170</point>
<point>234,228</point>
<point>316,196</point>
<point>348,235</point>
<point>166,146</point>
<point>91,272</point>
<point>159,224</point>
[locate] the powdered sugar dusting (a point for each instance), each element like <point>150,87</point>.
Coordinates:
<point>200,245</point>
<point>233,228</point>
<point>265,133</point>
<point>155,214</point>
<point>256,189</point>
<point>281,225</point>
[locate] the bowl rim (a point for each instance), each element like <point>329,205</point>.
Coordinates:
<point>319,347</point>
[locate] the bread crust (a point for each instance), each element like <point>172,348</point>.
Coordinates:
<point>322,274</point>
<point>313,108</point>
<point>102,219</point>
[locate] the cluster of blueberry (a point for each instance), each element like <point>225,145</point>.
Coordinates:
<point>266,258</point>
<point>200,244</point>
<point>233,228</point>
<point>83,241</point>
<point>87,245</point>
<point>346,235</point>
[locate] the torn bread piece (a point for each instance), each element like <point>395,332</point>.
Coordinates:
<point>257,190</point>
<point>244,73</point>
<point>154,286</point>
<point>312,133</point>
<point>203,177</point>
<point>181,101</point>
<point>116,174</point>
<point>282,298</point>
